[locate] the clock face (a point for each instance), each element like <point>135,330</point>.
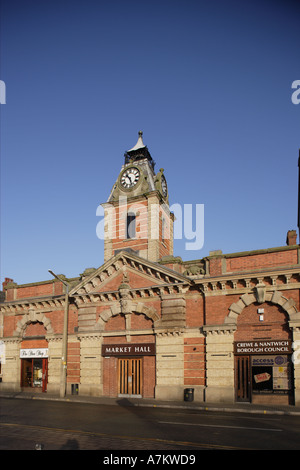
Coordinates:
<point>130,177</point>
<point>164,186</point>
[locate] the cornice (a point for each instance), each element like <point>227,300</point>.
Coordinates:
<point>243,282</point>
<point>225,329</point>
<point>44,304</point>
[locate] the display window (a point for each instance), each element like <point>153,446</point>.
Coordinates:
<point>34,373</point>
<point>271,374</point>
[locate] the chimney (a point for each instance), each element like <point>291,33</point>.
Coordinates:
<point>6,281</point>
<point>291,238</point>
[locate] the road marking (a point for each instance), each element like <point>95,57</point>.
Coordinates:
<point>220,426</point>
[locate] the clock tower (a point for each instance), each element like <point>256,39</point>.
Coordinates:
<point>136,215</point>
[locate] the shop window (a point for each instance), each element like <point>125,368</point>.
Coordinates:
<point>262,379</point>
<point>34,373</point>
<point>271,374</point>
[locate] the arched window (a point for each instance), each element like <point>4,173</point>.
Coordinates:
<point>131,225</point>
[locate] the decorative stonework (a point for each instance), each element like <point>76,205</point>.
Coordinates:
<point>132,307</point>
<point>241,283</point>
<point>219,329</point>
<point>275,297</point>
<point>32,317</point>
<point>260,292</point>
<point>25,305</point>
<point>164,277</point>
<point>172,332</point>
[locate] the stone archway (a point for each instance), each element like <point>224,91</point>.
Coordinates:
<point>127,307</point>
<point>220,378</point>
<point>32,317</point>
<point>260,296</point>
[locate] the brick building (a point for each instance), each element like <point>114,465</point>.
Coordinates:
<point>148,324</point>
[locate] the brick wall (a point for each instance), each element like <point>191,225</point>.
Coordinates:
<point>148,376</point>
<point>42,289</point>
<point>34,343</point>
<point>274,325</point>
<point>217,308</point>
<point>194,361</point>
<point>194,311</point>
<point>263,260</point>
<point>110,376</point>
<point>73,361</point>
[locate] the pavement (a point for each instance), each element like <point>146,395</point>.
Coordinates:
<point>237,407</point>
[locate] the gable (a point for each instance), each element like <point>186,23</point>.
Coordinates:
<point>139,272</point>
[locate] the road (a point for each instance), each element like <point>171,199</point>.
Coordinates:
<point>59,425</point>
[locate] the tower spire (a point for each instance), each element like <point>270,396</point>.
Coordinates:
<point>139,152</point>
<point>139,144</point>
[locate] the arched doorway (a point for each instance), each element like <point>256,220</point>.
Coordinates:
<point>128,350</point>
<point>34,357</point>
<point>263,350</point>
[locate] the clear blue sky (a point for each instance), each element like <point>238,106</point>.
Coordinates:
<point>208,82</point>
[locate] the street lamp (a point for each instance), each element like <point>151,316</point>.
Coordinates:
<point>63,377</point>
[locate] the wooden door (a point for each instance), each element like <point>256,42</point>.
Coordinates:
<point>242,378</point>
<point>130,376</point>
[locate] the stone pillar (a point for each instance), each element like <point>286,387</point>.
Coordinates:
<point>90,365</point>
<point>173,311</point>
<point>109,230</point>
<point>11,365</point>
<point>169,366</point>
<point>86,318</point>
<point>153,228</point>
<point>219,363</point>
<point>296,363</point>
<point>54,364</point>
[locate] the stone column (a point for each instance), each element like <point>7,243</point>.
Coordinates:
<point>173,311</point>
<point>90,365</point>
<point>11,365</point>
<point>153,228</point>
<point>109,229</point>
<point>219,363</point>
<point>169,366</point>
<point>296,362</point>
<point>54,364</point>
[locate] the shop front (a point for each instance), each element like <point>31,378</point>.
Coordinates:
<point>34,369</point>
<point>264,372</point>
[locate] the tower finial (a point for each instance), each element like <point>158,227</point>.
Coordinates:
<point>140,144</point>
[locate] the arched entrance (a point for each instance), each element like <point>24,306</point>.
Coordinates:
<point>34,352</point>
<point>128,350</point>
<point>264,370</point>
